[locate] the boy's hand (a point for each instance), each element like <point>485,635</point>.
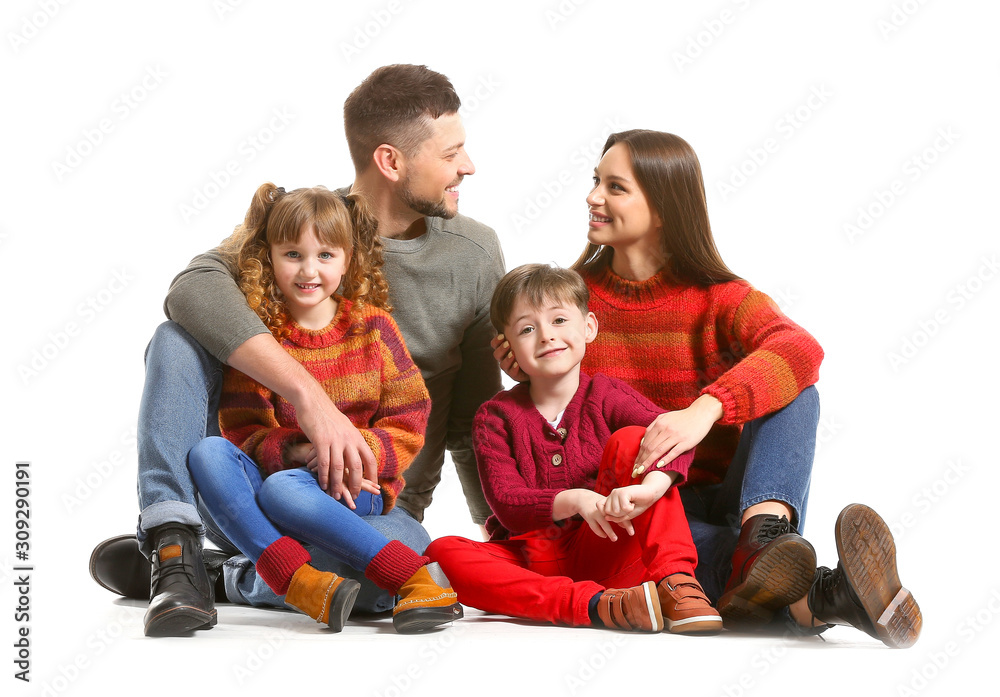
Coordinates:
<point>590,507</point>
<point>628,502</point>
<point>676,432</point>
<point>504,356</point>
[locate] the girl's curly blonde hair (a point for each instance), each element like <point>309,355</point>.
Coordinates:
<point>276,217</point>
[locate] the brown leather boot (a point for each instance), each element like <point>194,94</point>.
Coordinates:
<point>773,566</point>
<point>864,590</point>
<point>426,600</point>
<point>323,595</point>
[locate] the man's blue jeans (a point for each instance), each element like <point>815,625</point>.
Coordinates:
<point>773,462</point>
<point>179,408</point>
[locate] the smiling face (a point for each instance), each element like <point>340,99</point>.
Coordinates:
<point>308,272</point>
<point>550,340</point>
<point>620,214</point>
<point>429,182</point>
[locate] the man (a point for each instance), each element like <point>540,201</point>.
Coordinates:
<point>408,147</point>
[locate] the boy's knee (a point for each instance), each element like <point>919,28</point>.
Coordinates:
<point>625,442</point>
<point>443,547</point>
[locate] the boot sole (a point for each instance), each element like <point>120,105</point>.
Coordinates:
<point>778,577</point>
<point>868,559</point>
<point>342,604</point>
<point>133,577</point>
<point>180,621</point>
<point>704,624</point>
<point>424,618</point>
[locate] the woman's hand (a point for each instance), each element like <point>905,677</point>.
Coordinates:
<point>676,432</point>
<point>505,357</point>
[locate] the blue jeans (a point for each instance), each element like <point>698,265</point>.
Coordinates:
<point>179,408</point>
<point>773,462</point>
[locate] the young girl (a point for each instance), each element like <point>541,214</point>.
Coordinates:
<point>293,253</point>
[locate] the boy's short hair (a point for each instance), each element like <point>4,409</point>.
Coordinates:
<point>536,283</point>
<point>395,105</point>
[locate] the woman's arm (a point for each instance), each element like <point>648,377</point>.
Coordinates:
<point>775,359</point>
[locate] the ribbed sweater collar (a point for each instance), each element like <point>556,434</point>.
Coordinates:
<point>624,294</point>
<point>328,335</point>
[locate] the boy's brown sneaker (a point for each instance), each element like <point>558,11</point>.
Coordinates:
<point>635,609</point>
<point>426,600</point>
<point>685,606</point>
<point>323,595</point>
<point>773,566</point>
<point>864,590</point>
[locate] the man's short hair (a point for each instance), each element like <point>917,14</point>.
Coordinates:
<point>536,283</point>
<point>395,105</point>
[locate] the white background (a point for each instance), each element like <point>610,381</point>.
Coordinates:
<point>117,115</point>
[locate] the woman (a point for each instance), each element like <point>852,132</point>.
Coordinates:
<point>737,378</point>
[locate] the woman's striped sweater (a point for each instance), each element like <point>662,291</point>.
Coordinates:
<point>673,342</point>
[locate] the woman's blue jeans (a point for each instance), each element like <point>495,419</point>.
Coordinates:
<point>180,408</point>
<point>773,462</point>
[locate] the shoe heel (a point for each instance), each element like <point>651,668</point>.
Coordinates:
<point>900,623</point>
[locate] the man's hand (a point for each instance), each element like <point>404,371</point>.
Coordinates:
<point>343,458</point>
<point>503,354</point>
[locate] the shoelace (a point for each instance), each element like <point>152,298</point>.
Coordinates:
<point>159,572</point>
<point>774,527</point>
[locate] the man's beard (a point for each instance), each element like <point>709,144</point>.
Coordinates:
<point>431,209</point>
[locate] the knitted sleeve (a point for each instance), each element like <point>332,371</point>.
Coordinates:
<point>775,359</point>
<point>396,431</point>
<point>517,504</point>
<point>623,406</point>
<point>247,420</point>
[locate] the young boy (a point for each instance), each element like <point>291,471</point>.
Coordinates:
<point>554,553</point>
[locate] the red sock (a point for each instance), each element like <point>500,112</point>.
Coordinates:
<point>394,565</point>
<point>279,562</point>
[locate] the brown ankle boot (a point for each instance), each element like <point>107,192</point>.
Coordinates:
<point>426,600</point>
<point>324,596</point>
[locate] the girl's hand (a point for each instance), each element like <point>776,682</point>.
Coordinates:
<point>504,356</point>
<point>676,432</point>
<point>371,487</point>
<point>302,454</point>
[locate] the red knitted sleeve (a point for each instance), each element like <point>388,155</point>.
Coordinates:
<point>247,420</point>
<point>514,500</point>
<point>775,358</point>
<point>396,431</point>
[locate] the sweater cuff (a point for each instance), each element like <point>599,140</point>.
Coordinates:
<point>729,406</point>
<point>271,452</point>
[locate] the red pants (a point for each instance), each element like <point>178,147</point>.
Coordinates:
<point>552,574</point>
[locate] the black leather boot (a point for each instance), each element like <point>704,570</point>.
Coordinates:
<point>118,565</point>
<point>182,596</point>
<point>772,567</point>
<point>864,590</point>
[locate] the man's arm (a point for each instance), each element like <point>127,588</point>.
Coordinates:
<point>205,300</point>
